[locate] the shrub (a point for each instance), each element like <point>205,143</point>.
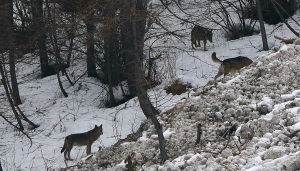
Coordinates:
<point>286,8</point>
<point>177,88</point>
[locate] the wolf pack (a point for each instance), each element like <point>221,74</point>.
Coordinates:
<point>198,34</point>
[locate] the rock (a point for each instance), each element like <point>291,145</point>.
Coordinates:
<point>292,163</point>
<point>263,142</point>
<point>244,132</point>
<point>188,156</point>
<point>239,112</point>
<point>203,161</point>
<point>201,116</point>
<point>275,152</point>
<point>297,42</point>
<point>218,115</point>
<point>283,138</point>
<point>226,153</point>
<point>230,111</point>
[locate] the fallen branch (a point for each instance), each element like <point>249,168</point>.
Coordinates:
<point>21,130</point>
<point>228,140</point>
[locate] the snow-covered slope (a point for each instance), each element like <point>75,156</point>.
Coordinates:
<point>263,103</point>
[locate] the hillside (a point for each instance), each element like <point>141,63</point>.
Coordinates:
<point>262,102</point>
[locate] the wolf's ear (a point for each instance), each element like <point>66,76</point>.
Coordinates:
<point>95,126</point>
<point>100,126</point>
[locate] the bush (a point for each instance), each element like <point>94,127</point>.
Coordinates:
<point>230,17</point>
<point>237,31</point>
<point>177,88</point>
<point>270,16</point>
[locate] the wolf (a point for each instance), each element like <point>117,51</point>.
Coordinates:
<point>200,33</point>
<point>81,139</point>
<point>230,64</point>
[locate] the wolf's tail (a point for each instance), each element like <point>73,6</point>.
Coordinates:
<point>63,149</point>
<point>215,59</point>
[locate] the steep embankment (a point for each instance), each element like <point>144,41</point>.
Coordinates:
<point>262,103</point>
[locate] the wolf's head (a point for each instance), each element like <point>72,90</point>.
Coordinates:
<point>98,129</point>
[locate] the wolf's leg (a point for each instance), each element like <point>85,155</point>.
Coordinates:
<point>88,148</point>
<point>68,152</point>
<point>226,70</point>
<point>199,45</point>
<point>69,155</point>
<point>65,155</point>
<point>220,72</point>
<point>193,45</point>
<point>218,75</point>
<point>204,41</point>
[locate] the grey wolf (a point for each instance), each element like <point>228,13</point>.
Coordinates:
<point>230,64</point>
<point>81,139</point>
<point>200,33</point>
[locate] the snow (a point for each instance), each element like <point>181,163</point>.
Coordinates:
<point>58,116</point>
<point>290,96</point>
<point>168,133</point>
<point>144,137</point>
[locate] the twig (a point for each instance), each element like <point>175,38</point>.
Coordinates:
<point>225,145</point>
<point>199,133</point>
<point>228,167</point>
<point>207,151</point>
<point>237,147</point>
<point>280,25</point>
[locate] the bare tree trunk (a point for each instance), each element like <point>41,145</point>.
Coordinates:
<point>13,77</point>
<point>138,30</point>
<point>127,48</point>
<point>10,40</point>
<point>60,85</point>
<point>5,85</point>
<point>15,108</point>
<point>43,55</point>
<point>6,9</point>
<point>70,81</point>
<point>3,19</point>
<point>262,25</point>
<point>39,26</point>
<point>58,66</point>
<point>90,27</point>
<point>71,35</point>
<point>108,66</point>
<point>7,44</point>
<point>33,125</point>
